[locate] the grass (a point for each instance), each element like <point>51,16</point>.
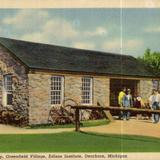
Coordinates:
<point>88,123</point>
<point>78,142</point>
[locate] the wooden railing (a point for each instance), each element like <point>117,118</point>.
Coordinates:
<point>135,110</point>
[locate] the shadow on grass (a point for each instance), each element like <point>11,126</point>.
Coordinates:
<point>125,137</point>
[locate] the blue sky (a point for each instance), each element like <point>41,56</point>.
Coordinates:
<point>95,29</point>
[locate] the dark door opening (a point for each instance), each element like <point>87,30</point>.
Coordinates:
<point>116,85</point>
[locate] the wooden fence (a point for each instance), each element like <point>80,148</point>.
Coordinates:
<point>135,110</point>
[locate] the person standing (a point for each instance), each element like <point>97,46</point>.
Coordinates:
<point>120,100</point>
<point>151,102</point>
<point>154,101</point>
<point>157,103</point>
<point>127,103</point>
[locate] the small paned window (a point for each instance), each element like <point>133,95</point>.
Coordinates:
<point>86,90</point>
<point>57,89</point>
<point>8,95</point>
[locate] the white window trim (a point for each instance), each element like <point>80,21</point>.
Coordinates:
<point>4,91</point>
<point>62,91</point>
<point>91,91</point>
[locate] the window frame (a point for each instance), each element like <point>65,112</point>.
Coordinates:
<point>90,91</point>
<point>7,89</point>
<point>53,90</point>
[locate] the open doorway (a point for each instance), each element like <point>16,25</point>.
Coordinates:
<point>116,85</point>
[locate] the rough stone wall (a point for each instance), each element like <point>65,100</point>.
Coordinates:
<point>73,88</point>
<point>146,87</point>
<point>8,65</point>
<point>39,98</point>
<point>39,93</point>
<point>101,90</point>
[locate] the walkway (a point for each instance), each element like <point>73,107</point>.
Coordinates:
<point>131,127</point>
<point>7,129</point>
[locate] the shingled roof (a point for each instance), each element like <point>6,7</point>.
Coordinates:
<point>58,58</point>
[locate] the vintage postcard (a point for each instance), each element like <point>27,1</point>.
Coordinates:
<point>79,80</point>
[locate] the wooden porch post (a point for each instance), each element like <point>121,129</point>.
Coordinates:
<point>77,123</point>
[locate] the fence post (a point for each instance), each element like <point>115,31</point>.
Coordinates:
<point>77,123</point>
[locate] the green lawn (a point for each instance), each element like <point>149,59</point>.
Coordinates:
<point>78,142</point>
<point>88,123</point>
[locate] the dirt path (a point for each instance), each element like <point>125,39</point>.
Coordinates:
<point>131,127</point>
<point>7,129</point>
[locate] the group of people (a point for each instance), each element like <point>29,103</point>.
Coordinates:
<point>126,100</point>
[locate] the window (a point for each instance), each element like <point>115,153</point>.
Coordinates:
<point>86,90</point>
<point>7,94</point>
<point>57,89</point>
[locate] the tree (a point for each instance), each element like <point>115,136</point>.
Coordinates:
<point>152,61</point>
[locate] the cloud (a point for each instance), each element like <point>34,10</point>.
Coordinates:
<point>40,26</point>
<point>152,29</point>
<point>115,45</point>
<point>24,16</point>
<point>84,45</point>
<point>60,28</point>
<point>35,37</point>
<point>99,31</point>
<point>132,43</point>
<point>26,20</point>
<point>53,30</point>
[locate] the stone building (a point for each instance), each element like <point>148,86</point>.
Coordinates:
<point>35,77</point>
